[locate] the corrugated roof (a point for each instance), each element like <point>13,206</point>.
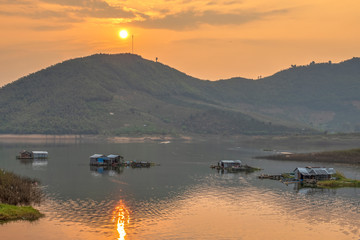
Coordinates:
<point>97,156</point>
<point>113,156</point>
<point>39,152</point>
<point>315,171</point>
<point>320,171</point>
<point>230,161</point>
<point>303,171</point>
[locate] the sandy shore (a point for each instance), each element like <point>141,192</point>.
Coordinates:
<point>38,138</point>
<point>42,138</point>
<point>327,142</point>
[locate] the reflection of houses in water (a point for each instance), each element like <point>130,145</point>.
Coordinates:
<point>39,163</point>
<point>304,189</point>
<point>35,163</point>
<point>317,173</point>
<point>109,170</point>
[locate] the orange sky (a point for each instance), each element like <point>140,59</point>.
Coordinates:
<point>207,39</point>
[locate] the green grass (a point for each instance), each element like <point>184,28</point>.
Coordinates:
<point>11,213</point>
<point>16,195</point>
<point>340,181</point>
<point>349,153</point>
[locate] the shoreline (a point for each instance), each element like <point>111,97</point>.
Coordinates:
<point>14,213</point>
<point>73,138</point>
<point>350,156</point>
<point>330,141</point>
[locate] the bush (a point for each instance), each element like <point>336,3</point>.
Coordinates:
<point>17,190</point>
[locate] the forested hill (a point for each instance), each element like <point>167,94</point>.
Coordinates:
<point>119,94</point>
<point>126,94</point>
<point>324,96</point>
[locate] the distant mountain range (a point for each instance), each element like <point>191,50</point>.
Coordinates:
<point>126,94</point>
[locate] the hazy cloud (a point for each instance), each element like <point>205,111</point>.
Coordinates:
<point>36,14</point>
<point>78,3</point>
<point>192,19</point>
<point>12,2</point>
<point>51,27</point>
<point>66,10</point>
<point>217,41</point>
<point>94,8</point>
<point>226,3</point>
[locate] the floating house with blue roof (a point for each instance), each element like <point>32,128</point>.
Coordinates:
<point>103,160</point>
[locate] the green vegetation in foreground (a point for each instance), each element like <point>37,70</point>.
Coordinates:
<point>340,181</point>
<point>16,190</point>
<point>11,212</point>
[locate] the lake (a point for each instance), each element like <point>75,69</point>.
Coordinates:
<point>182,198</point>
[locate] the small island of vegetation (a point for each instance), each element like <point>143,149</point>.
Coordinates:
<point>338,181</point>
<point>16,195</point>
<point>322,180</point>
<point>351,156</point>
<point>232,166</point>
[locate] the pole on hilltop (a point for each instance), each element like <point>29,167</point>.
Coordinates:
<point>132,43</point>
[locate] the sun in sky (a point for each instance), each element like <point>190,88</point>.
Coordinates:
<point>252,37</point>
<point>123,34</point>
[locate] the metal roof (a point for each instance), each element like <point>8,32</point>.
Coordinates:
<point>97,155</point>
<point>303,171</point>
<point>308,171</point>
<point>230,161</point>
<point>113,156</point>
<point>39,152</point>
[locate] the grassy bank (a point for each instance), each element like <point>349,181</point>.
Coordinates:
<point>16,195</point>
<point>11,212</point>
<point>340,181</point>
<point>344,156</point>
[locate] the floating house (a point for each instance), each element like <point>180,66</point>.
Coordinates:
<point>115,158</point>
<point>40,154</point>
<point>97,159</point>
<point>25,155</point>
<point>317,173</point>
<point>32,155</point>
<point>229,163</point>
<point>102,160</point>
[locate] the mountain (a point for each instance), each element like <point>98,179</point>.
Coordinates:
<point>126,94</point>
<point>324,96</point>
<point>119,94</point>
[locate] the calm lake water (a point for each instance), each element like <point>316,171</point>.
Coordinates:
<point>180,199</point>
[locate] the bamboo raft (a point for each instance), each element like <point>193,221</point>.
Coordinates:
<point>267,176</point>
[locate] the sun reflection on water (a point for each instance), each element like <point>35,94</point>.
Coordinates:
<point>122,219</point>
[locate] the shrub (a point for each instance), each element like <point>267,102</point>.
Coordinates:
<point>16,190</point>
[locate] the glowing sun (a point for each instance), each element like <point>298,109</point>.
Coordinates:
<point>123,34</point>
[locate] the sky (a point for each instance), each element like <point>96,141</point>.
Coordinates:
<point>206,39</point>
